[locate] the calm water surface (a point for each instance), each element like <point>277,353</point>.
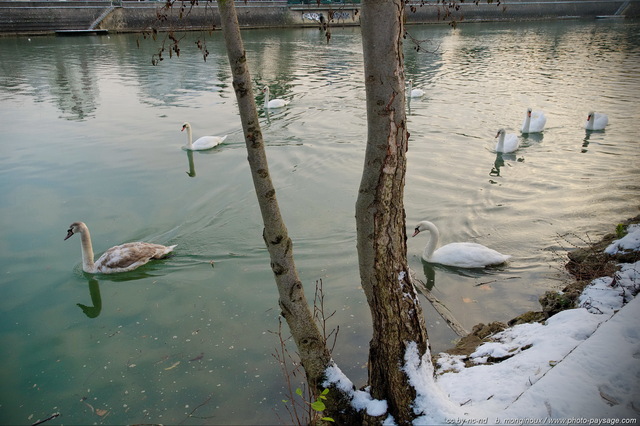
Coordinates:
<point>91,132</point>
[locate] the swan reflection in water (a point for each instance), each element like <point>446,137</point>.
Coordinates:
<point>430,269</point>
<point>94,288</point>
<point>529,139</point>
<point>96,299</point>
<point>587,139</point>
<point>499,162</point>
<point>192,167</point>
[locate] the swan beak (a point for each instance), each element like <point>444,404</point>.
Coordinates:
<point>497,134</point>
<point>416,232</point>
<point>183,127</point>
<point>69,234</point>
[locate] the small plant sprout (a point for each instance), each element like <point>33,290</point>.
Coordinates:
<point>317,406</point>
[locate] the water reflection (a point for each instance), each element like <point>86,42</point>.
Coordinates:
<point>497,164</point>
<point>192,167</point>
<point>430,275</point>
<point>532,138</point>
<point>96,299</point>
<point>587,139</point>
<point>431,268</point>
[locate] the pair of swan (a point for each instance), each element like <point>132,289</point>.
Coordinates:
<point>129,256</point>
<point>534,122</point>
<point>122,258</point>
<point>208,142</point>
<point>460,255</point>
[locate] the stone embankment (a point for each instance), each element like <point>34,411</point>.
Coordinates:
<point>44,17</point>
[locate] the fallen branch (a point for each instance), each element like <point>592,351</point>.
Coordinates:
<point>444,312</point>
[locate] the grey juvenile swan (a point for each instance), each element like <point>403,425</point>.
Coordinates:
<point>122,258</point>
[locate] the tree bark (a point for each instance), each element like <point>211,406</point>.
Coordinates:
<point>313,353</point>
<point>380,217</point>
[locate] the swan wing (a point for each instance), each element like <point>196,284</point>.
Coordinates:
<point>601,121</point>
<point>208,142</point>
<point>127,257</point>
<point>467,255</point>
<point>277,103</point>
<point>511,143</point>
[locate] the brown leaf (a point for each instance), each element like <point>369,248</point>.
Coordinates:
<point>101,412</point>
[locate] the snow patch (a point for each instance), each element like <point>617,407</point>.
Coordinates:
<point>360,400</point>
<point>630,242</point>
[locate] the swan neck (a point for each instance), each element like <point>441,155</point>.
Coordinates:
<point>189,143</point>
<point>87,251</point>
<point>266,98</point>
<point>527,123</point>
<point>433,241</point>
<point>500,143</point>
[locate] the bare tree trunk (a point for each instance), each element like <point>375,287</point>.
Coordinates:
<point>310,343</point>
<point>380,217</point>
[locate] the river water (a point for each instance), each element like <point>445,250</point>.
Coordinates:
<point>91,132</point>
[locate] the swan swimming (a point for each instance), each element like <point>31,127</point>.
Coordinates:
<point>461,255</point>
<point>122,258</point>
<point>596,121</point>
<point>414,93</point>
<point>273,103</point>
<point>534,122</point>
<point>204,142</point>
<point>507,142</point>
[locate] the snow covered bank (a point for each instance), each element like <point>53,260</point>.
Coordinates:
<point>582,366</point>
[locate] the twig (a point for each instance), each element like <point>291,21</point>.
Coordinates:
<point>39,422</point>
<point>190,415</point>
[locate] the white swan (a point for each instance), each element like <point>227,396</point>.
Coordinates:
<point>461,255</point>
<point>273,103</point>
<point>534,122</point>
<point>596,121</point>
<point>204,142</point>
<point>414,93</point>
<point>122,258</point>
<point>506,142</point>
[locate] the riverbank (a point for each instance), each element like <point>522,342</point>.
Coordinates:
<point>586,263</point>
<point>579,365</point>
<point>48,17</point>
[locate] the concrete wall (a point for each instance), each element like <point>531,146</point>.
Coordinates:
<point>527,10</point>
<point>37,17</point>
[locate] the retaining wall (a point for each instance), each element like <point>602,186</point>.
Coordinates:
<point>42,17</point>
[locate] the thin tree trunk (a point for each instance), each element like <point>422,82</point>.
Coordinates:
<point>295,309</point>
<point>380,216</point>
